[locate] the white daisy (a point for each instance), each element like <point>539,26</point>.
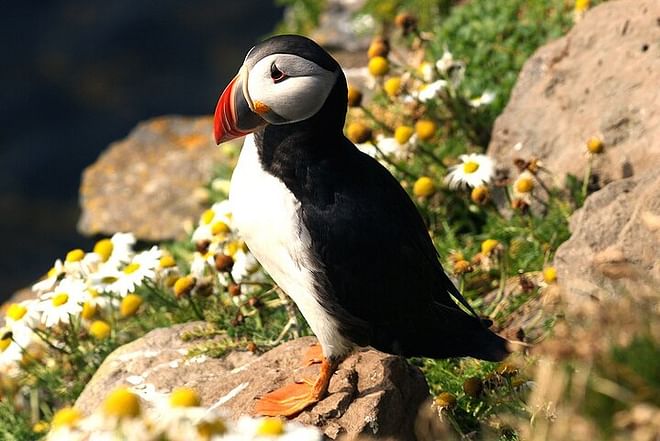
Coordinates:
<point>245,264</point>
<point>255,429</point>
<point>486,98</point>
<point>64,301</point>
<point>55,274</point>
<point>430,91</point>
<point>13,341</point>
<point>445,62</point>
<point>22,314</point>
<point>474,170</point>
<point>123,281</point>
<point>216,221</point>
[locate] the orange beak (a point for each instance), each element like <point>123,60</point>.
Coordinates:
<point>233,116</point>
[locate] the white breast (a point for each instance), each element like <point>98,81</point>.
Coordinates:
<point>267,215</point>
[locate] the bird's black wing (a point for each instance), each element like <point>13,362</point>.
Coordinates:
<point>377,260</point>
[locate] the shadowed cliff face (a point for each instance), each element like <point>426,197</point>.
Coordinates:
<point>79,74</point>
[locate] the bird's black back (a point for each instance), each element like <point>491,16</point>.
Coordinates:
<point>379,272</point>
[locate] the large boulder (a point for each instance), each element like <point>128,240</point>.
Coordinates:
<point>149,183</point>
<point>601,79</point>
<point>615,242</point>
<point>371,393</point>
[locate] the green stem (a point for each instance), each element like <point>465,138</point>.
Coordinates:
<point>376,120</point>
<point>585,182</point>
<point>195,308</point>
<point>393,164</point>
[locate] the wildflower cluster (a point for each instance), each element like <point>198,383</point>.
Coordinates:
<point>177,417</point>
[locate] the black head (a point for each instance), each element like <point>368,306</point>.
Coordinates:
<point>286,79</point>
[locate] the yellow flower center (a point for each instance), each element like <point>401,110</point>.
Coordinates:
<point>108,280</point>
<point>40,427</point>
<point>595,145</point>
<point>88,310</point>
<point>425,129</point>
<point>550,274</point>
<point>184,397</point>
<point>378,66</point>
<point>488,245</point>
<point>470,167</point>
<point>60,299</point>
<point>53,272</point>
<point>129,305</point>
<point>131,268</point>
<point>403,133</point>
<point>104,249</point>
<point>167,261</point>
<point>206,429</point>
<point>207,217</point>
<point>184,285</point>
<point>219,227</point>
<point>271,427</point>
<point>92,292</point>
<point>99,329</point>
<point>75,255</point>
<point>392,86</point>
<point>65,417</point>
<point>4,343</point>
<point>423,187</point>
<point>16,311</point>
<point>122,403</point>
<point>479,194</point>
<point>524,185</point>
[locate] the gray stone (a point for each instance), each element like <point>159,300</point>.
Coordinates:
<point>371,393</point>
<point>615,242</point>
<point>601,79</point>
<point>149,183</point>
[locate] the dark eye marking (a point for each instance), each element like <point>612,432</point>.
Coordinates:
<point>276,74</point>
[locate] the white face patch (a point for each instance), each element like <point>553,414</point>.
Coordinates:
<point>298,96</point>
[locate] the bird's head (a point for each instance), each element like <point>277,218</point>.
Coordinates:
<point>283,80</point>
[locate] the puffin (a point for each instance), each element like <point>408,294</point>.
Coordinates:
<point>331,226</point>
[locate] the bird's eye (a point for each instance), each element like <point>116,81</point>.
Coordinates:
<point>276,74</point>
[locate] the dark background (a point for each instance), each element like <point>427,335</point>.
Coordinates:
<point>76,75</point>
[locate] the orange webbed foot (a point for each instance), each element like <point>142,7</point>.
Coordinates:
<point>293,398</point>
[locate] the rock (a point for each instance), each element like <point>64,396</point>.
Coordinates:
<point>147,183</point>
<point>371,393</point>
<point>615,240</point>
<point>339,31</point>
<point>601,79</point>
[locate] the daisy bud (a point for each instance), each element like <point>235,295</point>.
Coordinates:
<point>122,403</point>
<point>524,184</point>
<point>223,262</point>
<point>581,5</point>
<point>66,417</point>
<point>184,285</point>
<point>185,397</point>
<point>207,429</point>
<point>445,400</point>
<point>423,187</point>
<point>167,261</point>
<point>5,341</point>
<point>99,329</point>
<point>252,347</point>
<point>462,267</point>
<point>271,427</point>
<point>425,129</point>
<point>378,66</point>
<point>379,47</point>
<point>88,310</point>
<point>479,194</point>
<point>402,134</point>
<point>104,249</point>
<point>40,427</point>
<point>354,97</point>
<point>234,289</point>
<point>202,246</point>
<point>129,305</point>
<point>16,311</point>
<point>407,22</point>
<point>220,227</point>
<point>392,86</point>
<point>358,132</point>
<point>488,245</point>
<point>473,387</point>
<point>595,145</point>
<point>519,204</point>
<point>75,255</point>
<point>550,274</point>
